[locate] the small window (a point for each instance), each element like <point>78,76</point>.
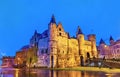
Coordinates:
<point>42,51</point>
<point>67,52</point>
<point>46,50</point>
<point>60,34</point>
<point>59,29</point>
<point>117,51</point>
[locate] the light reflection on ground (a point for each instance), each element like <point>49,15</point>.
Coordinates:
<point>51,73</point>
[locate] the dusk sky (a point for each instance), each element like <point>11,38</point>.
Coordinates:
<point>20,18</point>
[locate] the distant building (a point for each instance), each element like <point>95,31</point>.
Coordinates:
<point>115,49</point>
<point>57,49</point>
<point>109,51</point>
<point>21,56</point>
<point>8,61</point>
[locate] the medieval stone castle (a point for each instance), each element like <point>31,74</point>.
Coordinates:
<point>57,49</point>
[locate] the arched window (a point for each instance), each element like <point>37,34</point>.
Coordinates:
<point>88,55</point>
<point>118,51</point>
<point>42,51</point>
<point>59,29</point>
<point>59,34</point>
<point>46,51</point>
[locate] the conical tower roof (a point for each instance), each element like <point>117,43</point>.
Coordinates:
<point>35,32</point>
<point>79,31</point>
<point>101,41</point>
<point>53,19</point>
<point>111,38</point>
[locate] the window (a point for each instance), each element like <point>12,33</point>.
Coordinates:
<point>46,51</point>
<point>35,39</point>
<point>118,51</point>
<point>59,29</point>
<point>67,52</point>
<point>60,34</point>
<point>42,51</point>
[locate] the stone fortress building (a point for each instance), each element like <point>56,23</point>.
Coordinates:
<point>57,49</point>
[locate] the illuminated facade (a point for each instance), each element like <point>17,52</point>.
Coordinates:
<point>57,49</point>
<point>109,51</point>
<point>21,56</point>
<point>8,61</point>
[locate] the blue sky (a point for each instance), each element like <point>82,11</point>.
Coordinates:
<point>19,19</point>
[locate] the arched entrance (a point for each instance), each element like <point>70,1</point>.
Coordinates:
<point>81,60</point>
<point>88,55</point>
<point>52,62</point>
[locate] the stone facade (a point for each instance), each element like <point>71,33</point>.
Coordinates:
<point>57,49</point>
<point>109,51</point>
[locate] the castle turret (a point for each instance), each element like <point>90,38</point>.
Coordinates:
<point>92,38</point>
<point>79,31</point>
<point>52,46</point>
<point>34,41</point>
<point>80,38</point>
<point>102,42</point>
<point>111,40</point>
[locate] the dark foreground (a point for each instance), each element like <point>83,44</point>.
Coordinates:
<point>8,72</point>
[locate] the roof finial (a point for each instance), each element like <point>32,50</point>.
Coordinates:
<point>79,31</point>
<point>53,19</point>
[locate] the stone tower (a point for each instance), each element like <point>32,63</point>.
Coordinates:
<point>92,38</point>
<point>80,38</point>
<point>111,40</point>
<point>52,44</point>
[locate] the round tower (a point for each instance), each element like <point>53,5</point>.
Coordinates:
<point>92,38</point>
<point>52,44</point>
<point>80,38</point>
